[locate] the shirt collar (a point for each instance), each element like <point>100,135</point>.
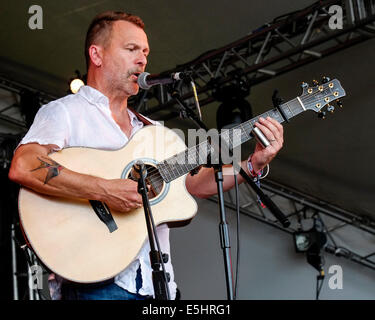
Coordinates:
<point>93,95</point>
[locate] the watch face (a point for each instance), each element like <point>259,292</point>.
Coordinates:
<point>302,242</point>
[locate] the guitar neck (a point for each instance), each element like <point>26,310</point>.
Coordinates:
<point>183,162</point>
<point>241,133</point>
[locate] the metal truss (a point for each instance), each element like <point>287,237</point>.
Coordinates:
<point>288,42</point>
<point>339,225</point>
<point>11,113</point>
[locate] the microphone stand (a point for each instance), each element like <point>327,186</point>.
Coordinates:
<point>160,278</point>
<point>223,226</point>
<point>224,233</point>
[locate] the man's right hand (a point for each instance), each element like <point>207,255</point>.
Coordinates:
<point>121,194</point>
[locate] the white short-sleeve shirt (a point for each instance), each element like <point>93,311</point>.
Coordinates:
<point>84,119</point>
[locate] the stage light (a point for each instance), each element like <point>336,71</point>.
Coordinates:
<point>308,240</point>
<point>302,241</point>
<point>232,113</point>
<point>234,109</point>
<point>76,82</point>
<point>311,242</point>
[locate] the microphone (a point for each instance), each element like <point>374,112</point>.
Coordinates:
<point>146,80</point>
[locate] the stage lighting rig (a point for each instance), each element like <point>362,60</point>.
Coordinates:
<point>312,242</point>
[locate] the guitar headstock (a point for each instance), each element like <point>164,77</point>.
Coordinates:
<point>321,95</point>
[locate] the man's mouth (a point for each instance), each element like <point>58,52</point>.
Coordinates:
<point>134,75</point>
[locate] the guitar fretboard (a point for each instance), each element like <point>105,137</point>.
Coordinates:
<point>184,162</point>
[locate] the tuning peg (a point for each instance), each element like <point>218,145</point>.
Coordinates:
<point>322,115</point>
<point>315,82</point>
<point>339,103</point>
<point>330,108</point>
<point>325,79</point>
<point>304,85</point>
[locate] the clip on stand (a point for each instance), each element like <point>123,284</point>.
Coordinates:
<point>224,234</point>
<point>160,278</point>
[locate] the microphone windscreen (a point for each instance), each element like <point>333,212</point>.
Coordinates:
<point>142,81</point>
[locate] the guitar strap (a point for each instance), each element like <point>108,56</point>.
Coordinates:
<point>141,118</point>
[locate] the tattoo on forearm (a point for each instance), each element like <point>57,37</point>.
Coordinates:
<point>53,167</point>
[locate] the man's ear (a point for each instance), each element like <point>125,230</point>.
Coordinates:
<point>96,55</point>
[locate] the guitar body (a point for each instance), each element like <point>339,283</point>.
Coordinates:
<point>68,236</point>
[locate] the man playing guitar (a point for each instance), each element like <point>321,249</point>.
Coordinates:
<point>98,117</point>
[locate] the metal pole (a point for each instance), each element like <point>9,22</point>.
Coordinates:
<point>14,263</point>
<point>29,282</point>
<point>36,290</point>
<point>224,234</point>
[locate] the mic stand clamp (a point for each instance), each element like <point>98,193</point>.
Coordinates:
<point>160,278</point>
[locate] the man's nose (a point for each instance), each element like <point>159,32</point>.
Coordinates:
<point>142,60</point>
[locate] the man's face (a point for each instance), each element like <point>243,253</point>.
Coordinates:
<point>125,57</point>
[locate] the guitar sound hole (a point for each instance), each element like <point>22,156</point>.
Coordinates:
<point>153,179</point>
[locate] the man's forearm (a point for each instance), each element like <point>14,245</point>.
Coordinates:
<point>42,174</point>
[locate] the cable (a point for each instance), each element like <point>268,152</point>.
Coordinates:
<point>238,236</point>
<point>319,287</point>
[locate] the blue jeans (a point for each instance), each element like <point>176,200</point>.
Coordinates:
<point>109,291</point>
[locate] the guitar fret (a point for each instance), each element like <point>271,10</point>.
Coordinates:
<point>178,166</point>
<point>244,133</point>
<point>297,106</point>
<point>286,111</point>
<point>278,116</point>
